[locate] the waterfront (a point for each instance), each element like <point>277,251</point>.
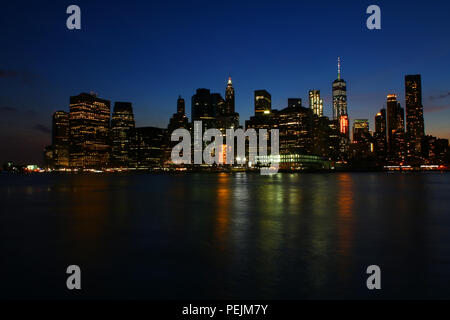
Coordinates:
<point>287,236</point>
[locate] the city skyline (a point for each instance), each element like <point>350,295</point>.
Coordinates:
<point>152,68</point>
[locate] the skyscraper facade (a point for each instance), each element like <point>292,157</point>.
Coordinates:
<point>179,119</point>
<point>89,120</point>
<point>339,90</point>
<point>315,102</point>
<point>414,113</point>
<point>360,130</point>
<point>263,102</point>
<point>395,129</point>
<point>60,140</point>
<point>202,106</point>
<point>380,136</point>
<point>122,125</point>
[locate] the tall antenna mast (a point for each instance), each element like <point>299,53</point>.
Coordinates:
<point>339,68</point>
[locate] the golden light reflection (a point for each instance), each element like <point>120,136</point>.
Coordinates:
<point>222,209</point>
<point>345,218</point>
<point>90,206</point>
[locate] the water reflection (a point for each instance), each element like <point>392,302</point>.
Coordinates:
<point>230,236</point>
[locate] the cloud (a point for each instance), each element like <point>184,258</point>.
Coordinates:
<point>42,128</point>
<point>441,96</point>
<point>25,76</point>
<point>7,110</point>
<point>435,108</point>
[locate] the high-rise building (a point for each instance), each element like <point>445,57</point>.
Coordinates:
<point>122,125</point>
<point>229,98</point>
<point>395,129</point>
<point>339,95</point>
<point>414,113</point>
<point>181,106</point>
<point>263,102</point>
<point>380,123</point>
<point>296,130</point>
<point>315,102</point>
<point>60,140</point>
<point>395,116</point>
<point>360,130</point>
<point>148,147</point>
<point>380,136</point>
<point>179,119</point>
<point>219,105</point>
<point>202,107</point>
<point>89,120</point>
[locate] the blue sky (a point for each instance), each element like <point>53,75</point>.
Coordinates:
<point>149,52</point>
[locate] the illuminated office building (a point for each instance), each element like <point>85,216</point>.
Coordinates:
<point>360,130</point>
<point>380,136</point>
<point>414,113</point>
<point>59,151</point>
<point>339,90</point>
<point>315,102</point>
<point>89,120</point>
<point>395,129</point>
<point>148,147</point>
<point>122,125</point>
<point>263,102</point>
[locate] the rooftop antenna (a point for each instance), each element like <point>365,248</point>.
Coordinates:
<point>339,68</point>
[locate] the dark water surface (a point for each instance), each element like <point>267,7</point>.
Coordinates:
<point>289,236</point>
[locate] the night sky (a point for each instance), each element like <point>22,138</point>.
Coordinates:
<point>149,52</point>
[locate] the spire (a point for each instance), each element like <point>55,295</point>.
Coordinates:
<point>339,68</point>
<point>229,81</point>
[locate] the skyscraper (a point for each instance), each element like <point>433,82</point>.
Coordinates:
<point>395,117</point>
<point>414,113</point>
<point>380,136</point>
<point>179,119</point>
<point>360,130</point>
<point>229,98</point>
<point>89,121</point>
<point>339,95</point>
<point>181,106</point>
<point>395,129</point>
<point>60,140</point>
<point>122,125</point>
<point>263,102</point>
<point>202,107</point>
<point>315,103</point>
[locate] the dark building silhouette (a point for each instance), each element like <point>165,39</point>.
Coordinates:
<point>122,125</point>
<point>415,130</point>
<point>263,102</point>
<point>395,129</point>
<point>59,151</point>
<point>148,147</point>
<point>179,119</point>
<point>295,126</point>
<point>435,150</point>
<point>294,102</point>
<point>380,136</point>
<point>202,106</point>
<point>89,131</point>
<point>229,99</point>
